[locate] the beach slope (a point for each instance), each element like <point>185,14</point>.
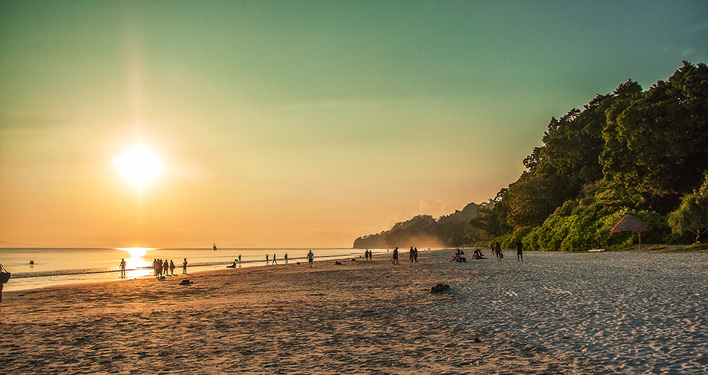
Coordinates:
<point>357,317</point>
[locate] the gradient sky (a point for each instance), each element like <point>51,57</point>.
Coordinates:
<point>297,123</point>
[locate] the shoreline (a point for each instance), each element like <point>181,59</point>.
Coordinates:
<point>48,279</point>
<point>357,317</point>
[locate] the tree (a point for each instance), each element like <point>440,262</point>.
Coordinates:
<point>692,213</point>
<point>656,143</point>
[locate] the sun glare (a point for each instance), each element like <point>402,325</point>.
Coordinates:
<point>136,264</point>
<point>138,165</point>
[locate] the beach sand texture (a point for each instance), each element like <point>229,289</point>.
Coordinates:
<point>358,317</point>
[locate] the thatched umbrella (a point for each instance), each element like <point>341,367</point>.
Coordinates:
<point>629,222</point>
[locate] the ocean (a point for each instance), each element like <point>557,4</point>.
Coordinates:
<point>63,266</point>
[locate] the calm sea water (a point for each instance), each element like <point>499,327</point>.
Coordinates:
<point>70,266</point>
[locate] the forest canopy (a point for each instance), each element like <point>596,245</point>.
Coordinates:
<point>643,152</point>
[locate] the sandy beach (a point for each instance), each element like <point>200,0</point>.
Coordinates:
<point>358,317</point>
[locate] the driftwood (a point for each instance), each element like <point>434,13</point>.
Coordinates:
<point>439,288</point>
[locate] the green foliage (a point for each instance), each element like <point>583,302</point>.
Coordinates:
<point>580,225</point>
<point>692,213</point>
<point>628,151</point>
<point>656,143</point>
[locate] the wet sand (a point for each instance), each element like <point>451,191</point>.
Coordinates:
<point>358,317</point>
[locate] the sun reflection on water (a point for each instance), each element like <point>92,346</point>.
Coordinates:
<point>135,265</point>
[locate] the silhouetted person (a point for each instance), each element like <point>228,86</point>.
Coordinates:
<point>274,261</point>
<point>498,251</point>
<point>415,254</point>
<point>165,267</point>
<point>410,254</point>
<point>172,267</point>
<point>158,268</point>
<point>310,258</point>
<point>2,283</point>
<point>122,268</point>
<point>286,258</point>
<point>266,259</point>
<point>395,256</point>
<point>519,251</point>
<point>184,266</point>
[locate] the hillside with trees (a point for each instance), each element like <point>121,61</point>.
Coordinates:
<point>424,231</point>
<point>643,152</point>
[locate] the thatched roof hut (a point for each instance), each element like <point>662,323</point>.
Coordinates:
<point>629,222</point>
<point>633,223</point>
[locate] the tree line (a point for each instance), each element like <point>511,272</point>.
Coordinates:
<point>643,152</point>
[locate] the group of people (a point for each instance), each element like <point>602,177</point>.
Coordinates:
<point>497,251</point>
<point>368,255</point>
<point>412,255</point>
<point>457,256</point>
<point>274,262</point>
<point>163,268</point>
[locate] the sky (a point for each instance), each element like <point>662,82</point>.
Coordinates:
<point>296,123</point>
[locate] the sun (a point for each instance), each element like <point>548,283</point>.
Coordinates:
<point>138,165</point>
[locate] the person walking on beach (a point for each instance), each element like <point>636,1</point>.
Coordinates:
<point>498,251</point>
<point>415,255</point>
<point>410,254</point>
<point>519,251</point>
<point>394,260</point>
<point>184,266</point>
<point>310,258</point>
<point>266,259</point>
<point>165,267</point>
<point>286,258</point>
<point>274,261</point>
<point>122,268</point>
<point>172,267</point>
